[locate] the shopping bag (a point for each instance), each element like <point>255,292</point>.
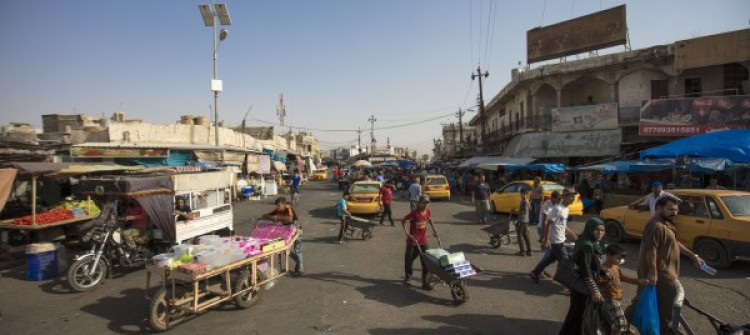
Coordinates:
<point>593,319</point>
<point>646,315</point>
<point>569,275</point>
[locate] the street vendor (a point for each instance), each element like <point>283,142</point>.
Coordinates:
<point>138,218</point>
<point>416,239</point>
<point>183,210</point>
<point>285,214</point>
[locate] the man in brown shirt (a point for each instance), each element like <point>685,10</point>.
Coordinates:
<point>659,258</point>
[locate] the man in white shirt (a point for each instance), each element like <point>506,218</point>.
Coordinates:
<point>651,198</point>
<point>555,229</point>
<point>544,212</point>
<point>415,191</point>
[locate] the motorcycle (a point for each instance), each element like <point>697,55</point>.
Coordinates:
<point>108,249</point>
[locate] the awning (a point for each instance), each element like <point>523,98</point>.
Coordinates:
<point>545,167</point>
<point>694,164</point>
<point>733,145</point>
<point>497,161</point>
<point>67,169</point>
<point>279,166</point>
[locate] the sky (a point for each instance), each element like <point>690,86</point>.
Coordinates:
<point>337,62</point>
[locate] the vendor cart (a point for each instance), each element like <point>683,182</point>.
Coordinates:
<point>183,295</point>
<point>359,226</point>
<point>437,275</point>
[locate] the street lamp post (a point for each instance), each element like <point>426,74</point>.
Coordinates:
<point>209,19</point>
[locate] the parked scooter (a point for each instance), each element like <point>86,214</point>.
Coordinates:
<point>108,249</point>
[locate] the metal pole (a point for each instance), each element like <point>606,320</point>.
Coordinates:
<point>216,93</point>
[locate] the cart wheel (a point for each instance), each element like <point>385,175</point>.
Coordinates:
<point>459,293</point>
<point>161,303</point>
<point>366,234</point>
<point>249,298</point>
<point>495,242</point>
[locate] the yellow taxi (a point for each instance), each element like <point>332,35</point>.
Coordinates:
<point>437,187</point>
<point>320,175</point>
<point>508,197</point>
<point>364,198</point>
<point>715,224</point>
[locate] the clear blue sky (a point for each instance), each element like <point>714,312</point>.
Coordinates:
<point>336,61</point>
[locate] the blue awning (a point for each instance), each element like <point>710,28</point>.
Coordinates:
<point>694,164</point>
<point>733,145</point>
<point>544,167</point>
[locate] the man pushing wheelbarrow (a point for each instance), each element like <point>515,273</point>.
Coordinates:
<point>417,240</point>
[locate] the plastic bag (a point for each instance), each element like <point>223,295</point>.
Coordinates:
<point>646,315</point>
<point>593,320</point>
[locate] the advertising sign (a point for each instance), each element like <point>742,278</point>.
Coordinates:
<point>692,116</point>
<point>117,152</point>
<point>594,143</point>
<point>595,31</point>
<point>589,117</point>
<point>717,49</point>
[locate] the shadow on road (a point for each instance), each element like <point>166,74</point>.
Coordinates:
<point>475,324</point>
<point>391,292</point>
<point>127,314</point>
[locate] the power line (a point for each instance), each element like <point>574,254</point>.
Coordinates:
<point>355,130</point>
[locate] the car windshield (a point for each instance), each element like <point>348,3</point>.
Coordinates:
<point>739,205</point>
<point>552,187</point>
<point>365,188</point>
<point>436,181</point>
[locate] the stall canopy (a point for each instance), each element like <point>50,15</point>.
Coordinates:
<point>694,164</point>
<point>733,145</point>
<point>544,167</point>
<point>67,169</point>
<point>406,163</point>
<point>493,162</point>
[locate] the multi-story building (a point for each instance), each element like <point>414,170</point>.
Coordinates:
<point>619,103</point>
<point>451,145</point>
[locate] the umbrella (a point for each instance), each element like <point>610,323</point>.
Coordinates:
<point>361,163</point>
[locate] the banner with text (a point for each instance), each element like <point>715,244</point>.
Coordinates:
<point>588,117</point>
<point>693,116</point>
<point>594,143</point>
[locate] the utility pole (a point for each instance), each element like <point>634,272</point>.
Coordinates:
<point>372,133</point>
<point>481,100</point>
<point>359,141</point>
<point>460,115</point>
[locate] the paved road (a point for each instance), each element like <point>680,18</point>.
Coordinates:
<point>355,288</point>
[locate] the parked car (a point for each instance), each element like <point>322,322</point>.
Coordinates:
<point>715,224</point>
<point>364,198</point>
<point>437,187</point>
<point>508,197</point>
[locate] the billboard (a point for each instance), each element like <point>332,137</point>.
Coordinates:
<point>595,31</point>
<point>594,143</point>
<point>117,152</point>
<point>692,116</point>
<point>588,117</point>
<point>718,49</point>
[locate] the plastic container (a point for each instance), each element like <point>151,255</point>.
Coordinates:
<point>248,191</point>
<point>209,240</point>
<point>708,269</point>
<point>41,259</point>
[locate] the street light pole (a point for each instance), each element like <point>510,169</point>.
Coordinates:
<point>209,19</point>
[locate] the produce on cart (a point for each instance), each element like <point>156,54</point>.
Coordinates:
<point>216,270</point>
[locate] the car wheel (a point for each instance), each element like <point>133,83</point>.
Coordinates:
<point>713,252</point>
<point>614,231</point>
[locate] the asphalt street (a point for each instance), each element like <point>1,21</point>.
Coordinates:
<point>356,288</point>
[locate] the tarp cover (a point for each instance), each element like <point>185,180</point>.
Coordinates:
<point>696,164</point>
<point>545,167</point>
<point>201,181</point>
<point>159,208</point>
<point>264,164</point>
<point>733,145</point>
<point>7,176</point>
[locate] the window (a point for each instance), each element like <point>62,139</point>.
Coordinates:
<point>659,89</point>
<point>714,209</point>
<point>512,188</point>
<point>693,87</point>
<point>734,75</point>
<point>692,205</point>
<point>738,205</point>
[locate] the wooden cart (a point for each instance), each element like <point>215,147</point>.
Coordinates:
<point>183,295</point>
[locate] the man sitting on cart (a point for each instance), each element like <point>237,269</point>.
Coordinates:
<point>416,239</point>
<point>285,214</point>
<point>183,210</point>
<point>136,233</point>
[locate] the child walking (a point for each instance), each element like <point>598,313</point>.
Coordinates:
<point>612,291</point>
